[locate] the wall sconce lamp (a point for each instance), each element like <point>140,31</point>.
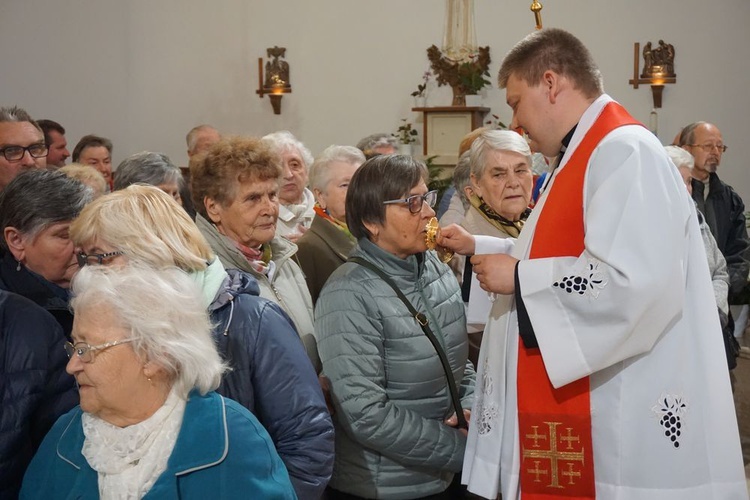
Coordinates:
<point>658,68</point>
<point>276,81</point>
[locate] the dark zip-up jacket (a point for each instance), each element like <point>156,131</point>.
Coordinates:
<point>34,387</point>
<point>273,378</point>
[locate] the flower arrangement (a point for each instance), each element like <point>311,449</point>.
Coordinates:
<point>405,133</point>
<point>466,77</point>
<point>422,86</point>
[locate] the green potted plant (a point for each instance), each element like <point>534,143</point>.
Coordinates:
<point>439,180</point>
<point>472,78</point>
<point>406,135</point>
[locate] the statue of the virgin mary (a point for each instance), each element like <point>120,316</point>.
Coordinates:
<point>459,36</point>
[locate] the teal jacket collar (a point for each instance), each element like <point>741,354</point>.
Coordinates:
<point>203,440</point>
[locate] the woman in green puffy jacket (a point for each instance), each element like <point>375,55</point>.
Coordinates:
<point>396,425</point>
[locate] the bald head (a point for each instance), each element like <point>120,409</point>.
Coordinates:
<point>704,141</point>
<point>201,138</point>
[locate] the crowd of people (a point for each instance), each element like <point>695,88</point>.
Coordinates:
<point>276,325</point>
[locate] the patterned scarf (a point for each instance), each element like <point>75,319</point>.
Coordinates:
<point>322,212</point>
<point>257,257</point>
<point>512,228</point>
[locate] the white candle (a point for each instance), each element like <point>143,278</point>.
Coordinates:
<point>653,122</point>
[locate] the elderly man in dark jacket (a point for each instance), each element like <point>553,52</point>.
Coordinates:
<point>34,387</point>
<point>721,205</point>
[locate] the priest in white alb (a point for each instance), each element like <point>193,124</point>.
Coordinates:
<point>602,371</point>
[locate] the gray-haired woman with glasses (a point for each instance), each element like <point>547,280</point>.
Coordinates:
<point>149,424</point>
<point>38,258</point>
<point>396,428</point>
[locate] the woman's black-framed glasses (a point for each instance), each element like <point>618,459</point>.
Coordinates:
<point>95,258</point>
<point>415,202</point>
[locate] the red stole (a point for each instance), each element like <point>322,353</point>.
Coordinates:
<point>555,424</point>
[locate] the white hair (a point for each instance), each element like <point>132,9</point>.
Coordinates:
<point>283,141</point>
<point>462,177</point>
<point>680,157</point>
<point>320,174</point>
<point>369,143</point>
<point>164,312</point>
<point>496,140</point>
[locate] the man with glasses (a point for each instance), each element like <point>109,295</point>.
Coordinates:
<point>720,204</point>
<point>22,144</point>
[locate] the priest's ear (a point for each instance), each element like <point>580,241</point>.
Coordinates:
<point>554,83</point>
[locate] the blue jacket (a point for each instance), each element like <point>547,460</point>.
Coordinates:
<point>221,452</point>
<point>34,387</point>
<point>38,290</point>
<point>272,377</point>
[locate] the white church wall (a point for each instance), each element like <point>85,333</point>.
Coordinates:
<point>144,72</point>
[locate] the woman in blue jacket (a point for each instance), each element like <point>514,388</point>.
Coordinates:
<point>149,424</point>
<point>270,374</point>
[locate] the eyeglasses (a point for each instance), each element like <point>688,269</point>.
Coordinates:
<point>85,352</point>
<point>709,147</point>
<point>415,202</point>
<point>98,258</point>
<point>15,153</point>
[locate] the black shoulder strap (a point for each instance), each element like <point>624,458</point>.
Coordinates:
<point>424,324</point>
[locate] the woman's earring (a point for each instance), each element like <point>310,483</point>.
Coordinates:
<point>18,267</point>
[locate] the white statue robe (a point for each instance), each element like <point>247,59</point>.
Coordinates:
<point>648,337</point>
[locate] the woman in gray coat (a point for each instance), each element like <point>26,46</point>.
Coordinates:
<point>396,433</point>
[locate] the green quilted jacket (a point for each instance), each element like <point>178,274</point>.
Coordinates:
<point>388,385</point>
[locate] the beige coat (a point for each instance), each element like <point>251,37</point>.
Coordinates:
<point>287,286</point>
